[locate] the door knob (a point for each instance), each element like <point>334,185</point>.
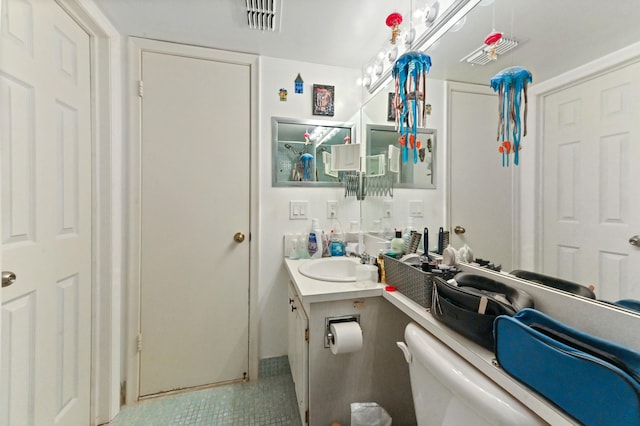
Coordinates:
<point>634,241</point>
<point>8,278</point>
<point>239,237</point>
<point>459,230</point>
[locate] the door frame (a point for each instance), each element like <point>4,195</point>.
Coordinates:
<point>106,206</point>
<point>136,47</point>
<point>450,88</point>
<point>532,199</point>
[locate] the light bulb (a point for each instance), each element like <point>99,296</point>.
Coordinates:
<point>378,69</point>
<point>458,25</point>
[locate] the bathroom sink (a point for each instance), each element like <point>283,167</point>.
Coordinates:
<point>336,269</point>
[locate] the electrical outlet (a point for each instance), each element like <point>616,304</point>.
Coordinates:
<point>387,209</point>
<point>416,208</point>
<point>332,209</point>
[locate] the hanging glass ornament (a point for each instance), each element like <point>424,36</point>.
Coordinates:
<point>511,83</point>
<point>410,75</point>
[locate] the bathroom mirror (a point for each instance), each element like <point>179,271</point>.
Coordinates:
<point>302,151</point>
<point>535,34</point>
<point>384,155</point>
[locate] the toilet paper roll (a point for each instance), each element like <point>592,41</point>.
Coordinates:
<point>347,337</point>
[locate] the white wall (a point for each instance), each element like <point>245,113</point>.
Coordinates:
<point>274,201</point>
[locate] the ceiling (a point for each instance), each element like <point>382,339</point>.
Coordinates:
<point>555,36</point>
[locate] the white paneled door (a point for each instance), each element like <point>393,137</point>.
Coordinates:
<point>45,171</point>
<point>194,271</point>
<point>591,175</point>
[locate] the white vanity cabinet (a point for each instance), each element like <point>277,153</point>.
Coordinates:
<point>299,351</point>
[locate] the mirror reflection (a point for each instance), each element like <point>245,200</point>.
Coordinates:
<point>302,151</point>
<point>569,205</point>
<point>383,153</point>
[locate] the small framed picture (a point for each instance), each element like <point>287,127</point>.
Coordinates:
<point>323,99</point>
<point>391,111</point>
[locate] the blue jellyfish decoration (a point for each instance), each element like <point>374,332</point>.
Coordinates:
<point>306,159</point>
<point>410,74</point>
<point>511,83</point>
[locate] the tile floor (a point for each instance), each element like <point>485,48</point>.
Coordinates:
<point>270,400</point>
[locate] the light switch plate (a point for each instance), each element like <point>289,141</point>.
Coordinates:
<point>298,209</point>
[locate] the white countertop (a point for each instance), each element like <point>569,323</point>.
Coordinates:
<point>313,291</point>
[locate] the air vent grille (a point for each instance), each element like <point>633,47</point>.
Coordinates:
<point>480,56</point>
<point>264,15</point>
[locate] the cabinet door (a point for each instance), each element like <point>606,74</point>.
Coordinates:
<point>299,351</point>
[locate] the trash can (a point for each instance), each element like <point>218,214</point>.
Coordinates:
<point>369,414</point>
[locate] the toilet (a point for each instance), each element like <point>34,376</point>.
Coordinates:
<point>447,390</point>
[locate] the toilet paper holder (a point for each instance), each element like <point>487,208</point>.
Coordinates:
<point>328,337</point>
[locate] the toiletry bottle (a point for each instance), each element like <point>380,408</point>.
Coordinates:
<point>397,244</point>
<point>294,252</point>
<point>337,245</point>
<point>382,276</point>
<point>315,240</point>
<point>326,247</point>
<point>303,240</point>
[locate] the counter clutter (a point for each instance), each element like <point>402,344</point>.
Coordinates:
<point>313,291</point>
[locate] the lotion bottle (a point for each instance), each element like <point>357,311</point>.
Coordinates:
<point>315,240</point>
<point>397,244</point>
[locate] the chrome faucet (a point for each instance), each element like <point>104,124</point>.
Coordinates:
<point>365,258</point>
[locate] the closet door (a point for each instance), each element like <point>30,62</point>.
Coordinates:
<point>194,221</point>
<point>591,196</point>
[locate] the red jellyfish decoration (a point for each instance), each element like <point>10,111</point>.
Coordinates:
<point>393,21</point>
<point>492,41</point>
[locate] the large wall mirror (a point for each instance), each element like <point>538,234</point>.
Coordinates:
<point>302,151</point>
<point>533,32</point>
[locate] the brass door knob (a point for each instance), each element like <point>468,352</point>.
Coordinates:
<point>459,230</point>
<point>8,278</point>
<point>239,237</point>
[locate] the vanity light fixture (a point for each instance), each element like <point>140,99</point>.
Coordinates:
<point>439,17</point>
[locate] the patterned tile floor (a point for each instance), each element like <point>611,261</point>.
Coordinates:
<point>270,400</point>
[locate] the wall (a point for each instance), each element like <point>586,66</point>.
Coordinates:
<point>274,201</point>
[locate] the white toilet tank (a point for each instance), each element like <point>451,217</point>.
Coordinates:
<point>447,390</point>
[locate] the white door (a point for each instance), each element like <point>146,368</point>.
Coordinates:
<point>195,198</point>
<point>591,175</point>
<point>480,188</point>
<point>45,137</point>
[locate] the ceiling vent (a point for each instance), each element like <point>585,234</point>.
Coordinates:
<point>480,56</point>
<point>264,15</point>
